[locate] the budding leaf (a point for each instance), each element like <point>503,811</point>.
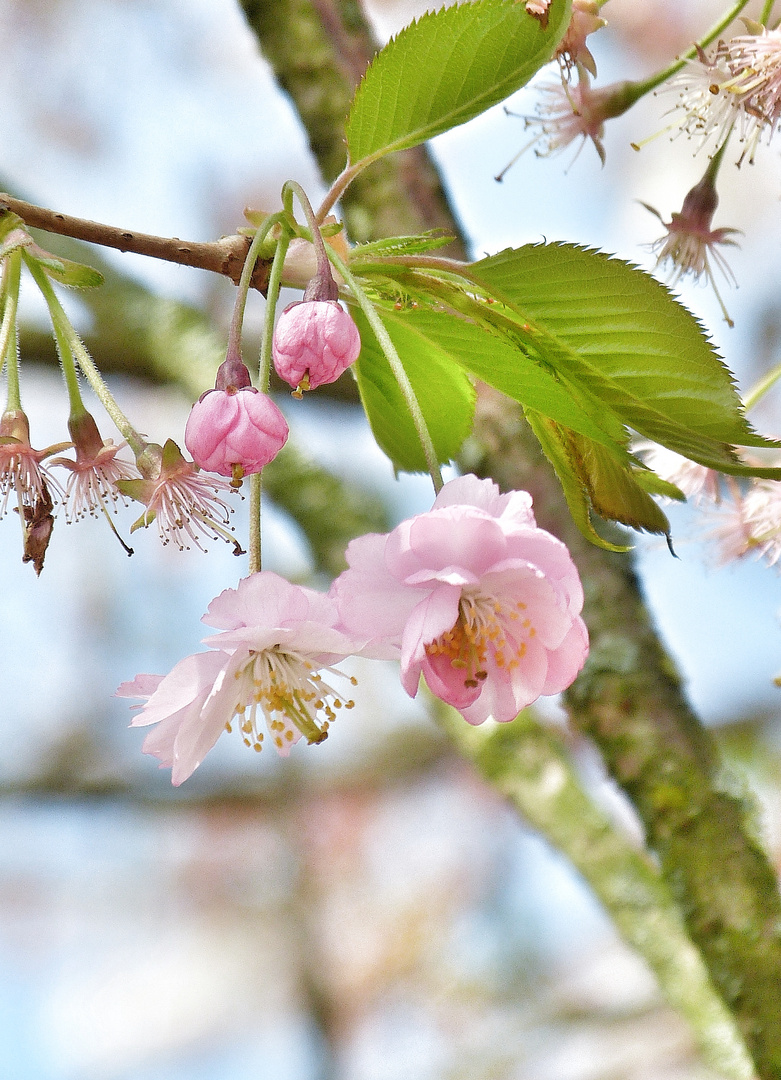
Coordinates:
<point>446,68</point>
<point>445,395</point>
<point>619,335</point>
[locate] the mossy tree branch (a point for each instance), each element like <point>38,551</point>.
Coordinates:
<point>319,49</point>
<point>629,699</point>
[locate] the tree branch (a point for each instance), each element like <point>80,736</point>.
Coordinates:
<point>629,700</point>
<point>225,256</point>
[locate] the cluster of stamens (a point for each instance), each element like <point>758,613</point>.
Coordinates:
<point>292,697</point>
<point>485,626</point>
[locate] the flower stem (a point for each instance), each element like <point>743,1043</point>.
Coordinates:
<point>237,319</point>
<point>392,356</point>
<point>8,348</point>
<point>338,188</point>
<point>64,332</point>
<point>254,543</point>
<point>761,387</point>
<point>764,18</point>
<point>639,89</point>
<point>290,189</point>
<point>264,371</point>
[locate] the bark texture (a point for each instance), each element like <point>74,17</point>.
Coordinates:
<point>629,699</point>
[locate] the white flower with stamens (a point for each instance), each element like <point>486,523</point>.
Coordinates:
<point>185,502</point>
<point>739,87</point>
<point>271,665</point>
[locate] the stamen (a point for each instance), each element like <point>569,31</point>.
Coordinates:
<point>485,627</point>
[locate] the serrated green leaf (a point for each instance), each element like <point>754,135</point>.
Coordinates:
<point>445,394</point>
<point>400,245</point>
<point>620,335</point>
<point>446,68</point>
<point>613,489</point>
<point>554,446</point>
<point>514,372</point>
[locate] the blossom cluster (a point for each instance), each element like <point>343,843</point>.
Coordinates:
<point>472,595</point>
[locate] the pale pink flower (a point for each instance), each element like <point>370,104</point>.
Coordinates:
<point>754,526</point>
<point>738,87</point>
<point>473,596</point>
<point>94,474</point>
<point>314,342</point>
<point>234,430</point>
<point>185,504</point>
<point>267,665</point>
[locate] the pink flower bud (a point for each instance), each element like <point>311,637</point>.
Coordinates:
<point>235,432</point>
<point>314,342</point>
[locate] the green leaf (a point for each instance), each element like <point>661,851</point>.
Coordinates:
<point>618,334</point>
<point>555,448</point>
<point>446,68</point>
<point>444,392</point>
<point>76,275</point>
<point>514,372</point>
<point>400,245</point>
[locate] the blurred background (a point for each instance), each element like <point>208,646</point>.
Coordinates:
<point>368,909</point>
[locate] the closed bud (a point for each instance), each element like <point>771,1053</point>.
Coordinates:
<point>314,342</point>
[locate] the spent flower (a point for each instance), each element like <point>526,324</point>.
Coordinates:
<point>21,470</point>
<point>570,111</point>
<point>572,50</point>
<point>92,483</point>
<point>186,505</point>
<point>738,86</point>
<point>473,596</point>
<point>271,664</point>
<point>689,247</point>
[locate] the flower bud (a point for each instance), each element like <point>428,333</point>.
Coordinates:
<point>314,342</point>
<point>234,430</point>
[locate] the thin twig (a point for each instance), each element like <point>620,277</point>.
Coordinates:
<point>225,256</point>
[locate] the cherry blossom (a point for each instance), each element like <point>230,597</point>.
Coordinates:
<point>272,662</point>
<point>94,473</point>
<point>234,430</point>
<point>185,504</point>
<point>474,596</point>
<point>737,87</point>
<point>314,342</point>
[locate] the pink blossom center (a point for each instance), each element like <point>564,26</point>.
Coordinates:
<point>290,694</point>
<point>486,627</point>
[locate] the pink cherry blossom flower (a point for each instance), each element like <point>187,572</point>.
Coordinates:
<point>234,430</point>
<point>276,643</point>
<point>94,474</point>
<point>473,596</point>
<point>750,524</point>
<point>314,342</point>
<point>185,504</point>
